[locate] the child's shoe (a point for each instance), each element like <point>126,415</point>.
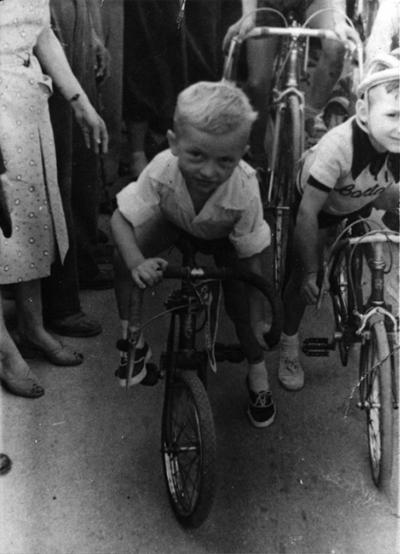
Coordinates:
<point>142,356</point>
<point>261,408</point>
<point>290,373</point>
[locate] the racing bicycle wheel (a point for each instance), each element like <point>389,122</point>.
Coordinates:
<point>376,399</point>
<point>290,140</point>
<point>189,449</point>
<point>346,294</point>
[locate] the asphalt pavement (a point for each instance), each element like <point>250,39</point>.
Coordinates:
<point>87,475</point>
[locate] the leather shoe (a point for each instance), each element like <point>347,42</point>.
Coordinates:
<point>102,281</point>
<point>75,325</point>
<point>27,386</point>
<point>63,355</point>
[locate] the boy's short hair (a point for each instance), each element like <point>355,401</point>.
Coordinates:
<point>214,107</point>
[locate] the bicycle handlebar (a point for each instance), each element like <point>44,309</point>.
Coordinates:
<point>227,273</point>
<point>374,237</point>
<point>295,32</point>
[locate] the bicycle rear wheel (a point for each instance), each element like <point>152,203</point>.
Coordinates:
<point>376,398</point>
<point>290,140</point>
<point>189,449</point>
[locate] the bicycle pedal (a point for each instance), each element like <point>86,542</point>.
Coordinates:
<point>153,375</point>
<point>317,346</point>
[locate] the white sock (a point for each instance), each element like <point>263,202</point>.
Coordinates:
<point>124,328</point>
<point>124,332</point>
<point>258,377</point>
<point>290,346</point>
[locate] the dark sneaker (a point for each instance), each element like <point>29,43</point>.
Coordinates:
<point>261,408</point>
<point>74,325</point>
<point>142,356</point>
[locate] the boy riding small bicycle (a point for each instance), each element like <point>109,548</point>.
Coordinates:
<point>201,187</point>
<point>353,168</point>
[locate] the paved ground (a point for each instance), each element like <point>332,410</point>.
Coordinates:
<point>87,475</point>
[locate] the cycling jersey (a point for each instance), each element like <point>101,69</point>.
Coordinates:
<point>346,165</point>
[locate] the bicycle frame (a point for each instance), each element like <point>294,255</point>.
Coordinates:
<point>280,95</point>
<point>181,352</point>
<point>376,308</point>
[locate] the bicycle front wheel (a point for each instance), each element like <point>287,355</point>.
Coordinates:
<point>339,286</point>
<point>376,398</point>
<point>189,449</point>
<point>290,137</point>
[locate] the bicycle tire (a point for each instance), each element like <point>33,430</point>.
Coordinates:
<point>376,397</point>
<point>290,149</point>
<point>339,287</point>
<point>187,429</point>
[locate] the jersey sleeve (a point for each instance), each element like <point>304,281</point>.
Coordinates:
<point>251,233</point>
<point>331,160</point>
<point>139,201</point>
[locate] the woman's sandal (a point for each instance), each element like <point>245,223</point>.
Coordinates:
<point>23,386</point>
<point>5,464</point>
<point>63,355</point>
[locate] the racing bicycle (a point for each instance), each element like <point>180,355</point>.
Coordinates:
<point>359,255</point>
<point>284,139</point>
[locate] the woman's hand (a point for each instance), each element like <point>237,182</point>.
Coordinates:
<point>103,58</point>
<point>149,272</point>
<point>93,127</point>
<point>5,205</point>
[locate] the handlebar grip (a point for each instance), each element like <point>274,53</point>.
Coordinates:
<point>176,272</point>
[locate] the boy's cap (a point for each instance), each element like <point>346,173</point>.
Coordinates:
<point>382,69</point>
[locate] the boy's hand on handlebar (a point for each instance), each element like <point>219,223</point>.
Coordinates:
<point>347,35</point>
<point>243,25</point>
<point>309,289</point>
<point>149,272</point>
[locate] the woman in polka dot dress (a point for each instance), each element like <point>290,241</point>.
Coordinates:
<point>31,58</point>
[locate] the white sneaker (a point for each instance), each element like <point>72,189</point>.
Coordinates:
<point>290,373</point>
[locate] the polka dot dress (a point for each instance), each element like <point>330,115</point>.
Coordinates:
<point>26,141</point>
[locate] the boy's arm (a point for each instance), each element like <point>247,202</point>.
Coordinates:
<point>144,271</point>
<point>125,239</point>
<point>247,7</point>
<point>306,240</point>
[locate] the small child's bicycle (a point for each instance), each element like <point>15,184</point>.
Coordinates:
<point>357,253</point>
<point>188,440</point>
